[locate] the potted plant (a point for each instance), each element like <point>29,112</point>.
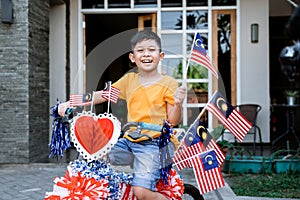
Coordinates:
<point>286,161</point>
<point>291,96</point>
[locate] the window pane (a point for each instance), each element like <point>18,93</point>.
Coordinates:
<point>171,3</point>
<point>145,3</point>
<point>92,3</point>
<point>172,67</point>
<point>119,3</point>
<point>190,39</point>
<point>198,90</point>
<point>196,20</point>
<point>196,71</point>
<point>171,20</point>
<point>196,2</point>
<point>224,2</point>
<point>172,44</point>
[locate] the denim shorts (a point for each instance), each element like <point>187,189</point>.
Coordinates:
<point>143,156</point>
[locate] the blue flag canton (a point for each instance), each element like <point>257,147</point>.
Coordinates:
<point>107,86</point>
<point>209,160</point>
<point>222,104</point>
<point>197,133</point>
<point>87,97</point>
<point>198,44</point>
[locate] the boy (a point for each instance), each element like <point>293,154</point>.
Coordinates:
<point>151,97</point>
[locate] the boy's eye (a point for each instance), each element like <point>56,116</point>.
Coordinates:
<point>141,50</point>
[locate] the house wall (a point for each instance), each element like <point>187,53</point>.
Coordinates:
<point>57,46</point>
<point>76,53</point>
<point>253,61</point>
<point>24,90</point>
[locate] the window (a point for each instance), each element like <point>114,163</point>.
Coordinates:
<point>171,3</point>
<point>196,3</point>
<point>92,3</point>
<point>223,2</point>
<point>119,3</point>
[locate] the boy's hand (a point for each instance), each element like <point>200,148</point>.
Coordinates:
<point>63,107</point>
<point>179,95</point>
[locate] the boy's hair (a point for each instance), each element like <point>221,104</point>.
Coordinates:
<point>145,35</point>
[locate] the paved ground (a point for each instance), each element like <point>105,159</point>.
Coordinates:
<point>32,181</point>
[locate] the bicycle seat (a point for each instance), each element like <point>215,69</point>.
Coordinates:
<point>136,135</point>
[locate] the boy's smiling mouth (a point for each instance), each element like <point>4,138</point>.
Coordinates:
<point>146,61</point>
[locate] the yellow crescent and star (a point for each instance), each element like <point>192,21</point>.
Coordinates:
<point>198,43</point>
<point>221,103</point>
<point>190,137</point>
<point>88,96</point>
<point>202,134</point>
<point>209,159</point>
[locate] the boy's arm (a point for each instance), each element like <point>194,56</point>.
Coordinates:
<point>175,111</point>
<point>97,100</point>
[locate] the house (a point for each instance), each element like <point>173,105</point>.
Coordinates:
<point>50,49</point>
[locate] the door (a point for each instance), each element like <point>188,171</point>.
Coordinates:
<point>224,52</point>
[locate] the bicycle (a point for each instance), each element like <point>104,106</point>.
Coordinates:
<point>94,170</point>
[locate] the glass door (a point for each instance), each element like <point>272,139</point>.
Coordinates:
<point>224,52</point>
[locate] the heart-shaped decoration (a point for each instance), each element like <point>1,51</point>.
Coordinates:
<point>94,136</point>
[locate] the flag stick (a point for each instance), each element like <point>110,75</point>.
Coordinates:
<point>198,117</point>
<point>181,161</point>
<point>108,101</point>
<point>187,66</point>
<point>93,98</point>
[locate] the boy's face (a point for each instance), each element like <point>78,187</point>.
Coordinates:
<point>146,55</point>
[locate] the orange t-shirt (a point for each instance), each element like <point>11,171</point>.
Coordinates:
<point>147,103</point>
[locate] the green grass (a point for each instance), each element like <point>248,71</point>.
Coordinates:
<point>286,185</point>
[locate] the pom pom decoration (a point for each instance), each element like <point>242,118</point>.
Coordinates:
<point>98,180</point>
<point>174,189</point>
<point>60,136</point>
<point>102,180</point>
<point>76,186</point>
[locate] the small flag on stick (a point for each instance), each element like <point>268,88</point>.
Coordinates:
<point>199,55</point>
<point>208,174</point>
<point>110,93</point>
<point>80,99</point>
<point>232,119</point>
<point>197,140</point>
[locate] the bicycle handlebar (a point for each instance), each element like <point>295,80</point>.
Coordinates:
<point>142,125</point>
<point>139,125</point>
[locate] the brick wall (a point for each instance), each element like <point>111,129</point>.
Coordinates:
<point>24,84</point>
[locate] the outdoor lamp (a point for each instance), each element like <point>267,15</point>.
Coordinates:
<point>254,33</point>
<point>6,11</point>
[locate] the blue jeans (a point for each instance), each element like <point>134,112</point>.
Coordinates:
<point>145,159</point>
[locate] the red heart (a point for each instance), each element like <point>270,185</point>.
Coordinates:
<point>93,134</point>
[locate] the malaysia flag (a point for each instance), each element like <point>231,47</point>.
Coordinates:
<point>197,140</point>
<point>208,174</point>
<point>232,119</point>
<point>80,99</point>
<point>110,92</point>
<point>199,55</point>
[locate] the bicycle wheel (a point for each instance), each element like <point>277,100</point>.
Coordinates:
<point>191,192</point>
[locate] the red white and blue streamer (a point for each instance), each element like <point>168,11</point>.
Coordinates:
<point>60,140</point>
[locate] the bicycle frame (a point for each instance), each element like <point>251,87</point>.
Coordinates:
<point>97,178</point>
